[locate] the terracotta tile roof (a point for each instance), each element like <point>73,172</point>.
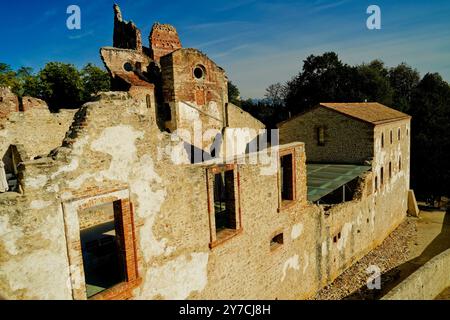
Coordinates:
<point>371,112</point>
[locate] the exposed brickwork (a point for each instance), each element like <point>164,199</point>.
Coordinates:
<point>8,103</point>
<point>29,103</point>
<point>163,40</point>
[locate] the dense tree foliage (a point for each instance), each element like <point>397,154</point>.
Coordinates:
<point>326,78</point>
<point>234,94</point>
<point>430,109</point>
<point>61,85</point>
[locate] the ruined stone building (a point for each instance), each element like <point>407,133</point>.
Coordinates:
<point>162,189</point>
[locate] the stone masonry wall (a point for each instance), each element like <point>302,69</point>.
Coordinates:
<point>8,103</point>
<point>238,118</point>
<point>114,150</point>
<point>38,130</point>
<point>346,140</point>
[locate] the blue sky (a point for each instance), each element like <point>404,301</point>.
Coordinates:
<point>257,42</point>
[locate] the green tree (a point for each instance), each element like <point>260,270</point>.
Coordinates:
<point>8,78</point>
<point>234,94</point>
<point>61,85</point>
<point>373,83</point>
<point>430,110</point>
<point>323,79</point>
<point>403,80</point>
<point>94,80</point>
<point>29,83</point>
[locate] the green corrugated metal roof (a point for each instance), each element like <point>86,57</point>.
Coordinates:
<point>323,179</point>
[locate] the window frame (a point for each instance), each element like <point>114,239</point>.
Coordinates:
<point>70,208</point>
<point>320,133</point>
<point>274,245</point>
<point>224,235</point>
<point>285,204</point>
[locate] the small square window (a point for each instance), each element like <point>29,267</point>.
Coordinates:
<point>276,241</point>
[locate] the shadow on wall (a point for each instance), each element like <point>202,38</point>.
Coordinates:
<point>393,277</point>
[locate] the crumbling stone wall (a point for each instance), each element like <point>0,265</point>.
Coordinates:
<point>38,130</point>
<point>8,103</point>
<point>29,103</point>
<point>114,145</point>
<point>238,118</point>
<point>163,40</point>
<point>126,34</point>
<point>116,151</point>
<point>196,101</point>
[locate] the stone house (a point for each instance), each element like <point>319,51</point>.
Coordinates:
<point>163,189</point>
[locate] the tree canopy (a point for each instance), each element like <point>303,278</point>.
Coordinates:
<point>61,85</point>
<point>325,78</point>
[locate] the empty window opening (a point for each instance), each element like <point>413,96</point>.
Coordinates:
<point>391,137</point>
<point>399,134</point>
<point>199,73</point>
<point>382,140</point>
<point>339,235</point>
<point>148,101</point>
<point>335,239</point>
<point>128,66</point>
<point>321,136</point>
<point>382,175</point>
<point>101,236</point>
<point>276,241</point>
<point>138,66</point>
<point>224,201</point>
<point>376,183</point>
<point>390,170</point>
<point>399,163</point>
<point>286,177</point>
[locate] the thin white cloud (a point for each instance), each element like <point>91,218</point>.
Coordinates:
<point>322,6</point>
<point>80,36</point>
